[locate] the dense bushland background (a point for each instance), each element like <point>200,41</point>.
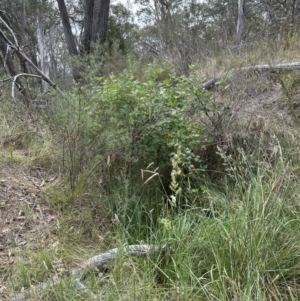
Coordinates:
<point>138,152</point>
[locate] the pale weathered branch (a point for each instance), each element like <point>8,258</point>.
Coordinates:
<point>14,78</point>
<point>11,31</point>
<point>261,68</point>
<point>151,48</point>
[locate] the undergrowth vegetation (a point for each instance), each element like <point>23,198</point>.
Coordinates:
<point>158,160</point>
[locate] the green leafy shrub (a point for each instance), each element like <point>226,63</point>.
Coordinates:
<point>150,118</point>
<point>118,125</point>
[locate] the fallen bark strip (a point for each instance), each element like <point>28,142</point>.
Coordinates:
<point>78,274</point>
<point>265,67</point>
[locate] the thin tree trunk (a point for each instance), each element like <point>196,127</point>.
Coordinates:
<point>240,20</point>
<point>44,63</point>
<point>52,57</point>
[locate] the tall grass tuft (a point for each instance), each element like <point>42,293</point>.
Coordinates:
<point>247,248</point>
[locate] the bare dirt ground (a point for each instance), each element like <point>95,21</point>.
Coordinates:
<point>26,221</point>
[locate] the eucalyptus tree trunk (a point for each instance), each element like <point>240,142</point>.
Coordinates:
<point>95,24</point>
<point>94,29</point>
<point>70,39</point>
<point>100,21</point>
<point>240,20</point>
<point>43,55</point>
<point>87,29</point>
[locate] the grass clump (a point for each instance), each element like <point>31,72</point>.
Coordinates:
<point>158,161</point>
<point>246,250</point>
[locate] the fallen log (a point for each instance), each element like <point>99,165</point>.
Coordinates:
<point>209,84</point>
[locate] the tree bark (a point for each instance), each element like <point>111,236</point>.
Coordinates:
<point>88,25</point>
<point>240,20</point>
<point>70,40</point>
<point>44,61</point>
<point>95,24</point>
<point>96,20</point>
<point>100,21</point>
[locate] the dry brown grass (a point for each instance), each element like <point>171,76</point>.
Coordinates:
<point>255,106</point>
